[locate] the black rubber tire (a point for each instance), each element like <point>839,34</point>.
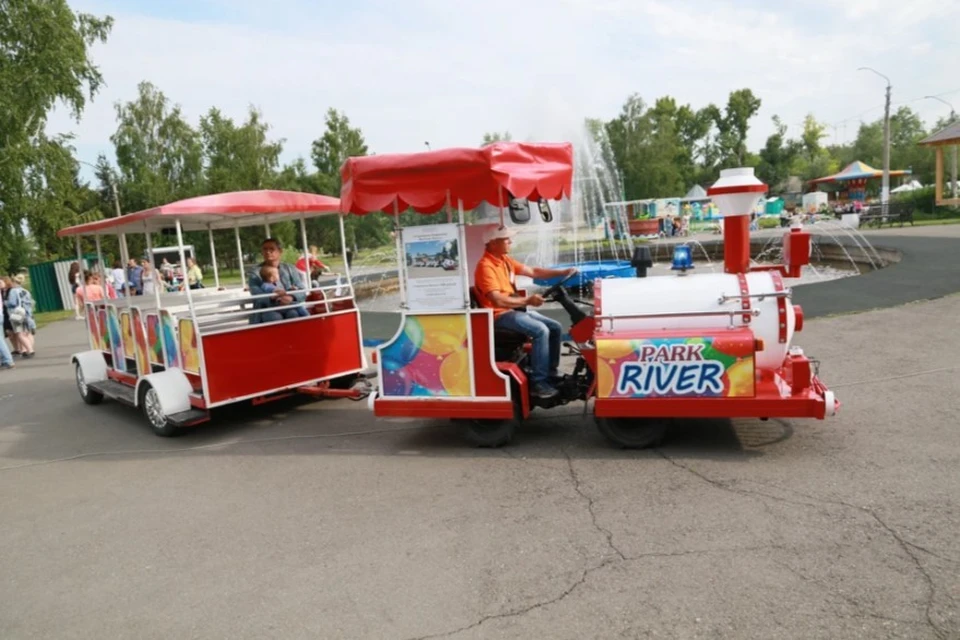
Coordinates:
<point>633,433</point>
<point>164,430</point>
<point>495,433</point>
<point>91,396</point>
<point>490,433</point>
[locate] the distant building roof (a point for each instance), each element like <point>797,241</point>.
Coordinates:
<point>950,133</point>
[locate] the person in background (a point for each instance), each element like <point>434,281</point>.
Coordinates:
<point>316,266</point>
<point>6,356</point>
<point>75,278</point>
<point>194,275</point>
<point>148,278</point>
<point>19,306</point>
<point>135,277</point>
<point>117,278</point>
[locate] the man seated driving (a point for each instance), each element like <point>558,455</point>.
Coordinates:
<point>288,289</point>
<point>495,280</point>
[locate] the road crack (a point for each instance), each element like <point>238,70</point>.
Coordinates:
<point>818,502</point>
<point>577,486</point>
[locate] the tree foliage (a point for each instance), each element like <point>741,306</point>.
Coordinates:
<point>44,59</point>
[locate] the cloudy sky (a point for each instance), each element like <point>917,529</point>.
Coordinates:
<point>446,71</point>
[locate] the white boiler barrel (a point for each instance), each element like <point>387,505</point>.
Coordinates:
<point>622,298</point>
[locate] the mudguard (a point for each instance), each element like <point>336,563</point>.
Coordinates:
<point>92,363</point>
<point>173,389</point>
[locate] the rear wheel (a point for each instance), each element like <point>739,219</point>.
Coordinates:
<point>497,432</point>
<point>633,433</point>
<point>153,411</point>
<point>86,393</point>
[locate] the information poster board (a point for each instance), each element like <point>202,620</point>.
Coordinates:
<point>434,267</point>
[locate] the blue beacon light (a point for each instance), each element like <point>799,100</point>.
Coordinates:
<point>682,258</point>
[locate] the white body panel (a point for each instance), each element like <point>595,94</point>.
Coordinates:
<point>93,365</point>
<point>173,389</point>
<point>693,293</point>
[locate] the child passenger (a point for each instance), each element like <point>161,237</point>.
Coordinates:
<point>271,280</point>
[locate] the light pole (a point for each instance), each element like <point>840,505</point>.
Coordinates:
<point>427,145</point>
<point>885,190</point>
<point>113,186</point>
<point>953,159</point>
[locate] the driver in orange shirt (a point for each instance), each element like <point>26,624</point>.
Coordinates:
<point>495,280</point>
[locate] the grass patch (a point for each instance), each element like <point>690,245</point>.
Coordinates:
<point>46,317</point>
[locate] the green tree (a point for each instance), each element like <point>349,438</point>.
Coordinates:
<point>339,142</point>
<point>495,136</point>
<point>733,126</point>
<point>777,156</point>
<point>44,58</point>
<point>160,156</point>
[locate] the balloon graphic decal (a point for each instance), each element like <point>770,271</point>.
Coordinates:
<point>429,358</point>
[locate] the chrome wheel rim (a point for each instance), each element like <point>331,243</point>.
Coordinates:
<point>154,411</point>
<point>81,382</point>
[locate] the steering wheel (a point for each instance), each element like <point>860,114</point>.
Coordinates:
<point>557,289</point>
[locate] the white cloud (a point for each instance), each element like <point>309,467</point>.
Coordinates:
<point>444,72</point>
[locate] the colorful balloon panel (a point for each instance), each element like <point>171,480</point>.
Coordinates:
<point>154,343</point>
<point>140,341</point>
<point>102,325</point>
<point>93,328</point>
<point>189,351</point>
<point>708,366</point>
<point>116,346</point>
<point>126,328</point>
<point>428,358</point>
<point>171,345</point>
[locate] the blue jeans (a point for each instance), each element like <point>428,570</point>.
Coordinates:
<point>546,334</point>
<point>5,356</point>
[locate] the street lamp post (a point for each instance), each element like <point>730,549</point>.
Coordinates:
<point>953,159</point>
<point>885,190</point>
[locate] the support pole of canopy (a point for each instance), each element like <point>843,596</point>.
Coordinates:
<point>401,259</point>
<point>157,281</point>
<point>236,235</point>
<point>343,249</point>
<point>213,258</point>
<point>306,254</point>
<point>461,251</point>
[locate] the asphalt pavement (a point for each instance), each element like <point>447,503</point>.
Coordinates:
<point>315,520</point>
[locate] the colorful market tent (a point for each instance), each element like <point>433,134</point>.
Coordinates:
<point>855,176</point>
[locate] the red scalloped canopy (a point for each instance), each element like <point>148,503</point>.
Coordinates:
<point>421,180</point>
<point>217,211</point>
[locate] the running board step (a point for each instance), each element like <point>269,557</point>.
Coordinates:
<point>115,391</point>
<point>189,417</point>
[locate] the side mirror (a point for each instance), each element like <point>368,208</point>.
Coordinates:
<point>545,213</point>
<point>519,210</point>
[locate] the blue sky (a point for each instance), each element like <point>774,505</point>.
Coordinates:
<point>446,72</point>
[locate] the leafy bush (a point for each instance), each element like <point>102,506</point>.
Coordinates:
<point>769,223</point>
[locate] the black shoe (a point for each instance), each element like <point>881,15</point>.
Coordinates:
<point>27,356</point>
<point>544,391</point>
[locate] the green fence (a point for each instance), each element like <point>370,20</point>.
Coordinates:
<point>49,283</point>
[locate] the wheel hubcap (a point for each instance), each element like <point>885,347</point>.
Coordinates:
<point>153,409</point>
<point>81,383</point>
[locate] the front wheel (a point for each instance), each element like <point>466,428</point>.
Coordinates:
<point>633,433</point>
<point>490,433</point>
<point>153,411</point>
<point>86,393</point>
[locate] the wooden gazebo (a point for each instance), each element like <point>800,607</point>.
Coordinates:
<point>946,137</point>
